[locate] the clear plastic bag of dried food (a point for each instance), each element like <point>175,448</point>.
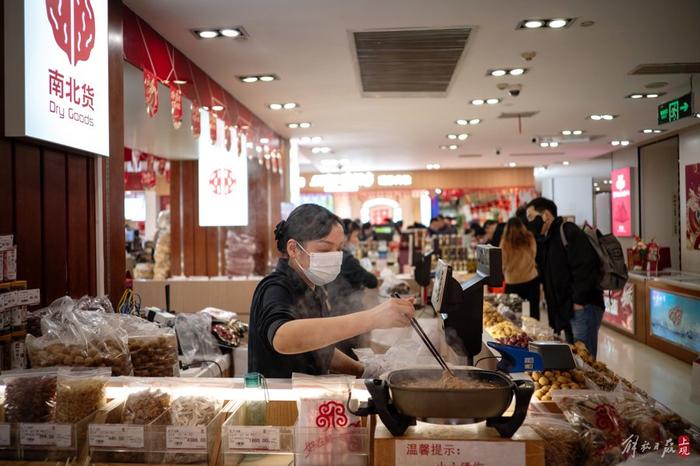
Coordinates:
<point>195,338</point>
<point>146,406</point>
<point>79,338</point>
<point>595,415</point>
<point>562,444</point>
<point>80,392</point>
<point>194,410</point>
<point>153,349</point>
<point>92,303</point>
<point>30,395</point>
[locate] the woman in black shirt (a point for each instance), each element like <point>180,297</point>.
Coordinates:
<point>289,328</point>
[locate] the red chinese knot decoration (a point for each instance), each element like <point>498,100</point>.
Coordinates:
<point>150,91</point>
<point>331,414</point>
<point>222,181</point>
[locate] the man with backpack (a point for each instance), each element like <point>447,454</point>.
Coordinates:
<point>570,270</point>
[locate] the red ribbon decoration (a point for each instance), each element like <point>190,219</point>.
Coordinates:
<point>196,119</point>
<point>212,127</point>
<point>150,91</point>
<point>176,105</point>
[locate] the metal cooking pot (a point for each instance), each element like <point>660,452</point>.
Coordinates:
<point>442,403</point>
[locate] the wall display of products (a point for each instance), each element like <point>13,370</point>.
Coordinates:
<point>620,308</point>
<point>675,317</point>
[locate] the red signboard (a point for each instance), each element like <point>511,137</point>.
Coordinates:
<point>621,202</point>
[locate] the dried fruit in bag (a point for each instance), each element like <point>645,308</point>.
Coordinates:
<point>79,393</point>
<point>145,406</point>
<point>30,396</point>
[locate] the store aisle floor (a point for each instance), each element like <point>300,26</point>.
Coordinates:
<point>665,378</point>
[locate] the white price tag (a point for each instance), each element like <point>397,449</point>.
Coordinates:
<point>186,438</point>
<point>254,438</point>
<point>5,435</point>
<point>28,297</point>
<point>57,435</point>
<point>436,452</point>
<point>115,435</point>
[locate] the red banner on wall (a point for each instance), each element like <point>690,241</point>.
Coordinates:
<point>621,202</point>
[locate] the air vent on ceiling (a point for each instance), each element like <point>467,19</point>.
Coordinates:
<point>535,154</point>
<point>409,61</point>
<point>518,114</point>
<point>667,68</point>
<point>468,156</point>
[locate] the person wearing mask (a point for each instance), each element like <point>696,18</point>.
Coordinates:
<point>366,232</point>
<point>569,275</point>
<point>494,232</point>
<point>519,268</point>
<point>290,330</point>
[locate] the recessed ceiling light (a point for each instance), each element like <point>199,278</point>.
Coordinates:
<point>217,107</point>
<point>230,32</point>
<point>433,166</point>
<point>624,143</point>
<point>595,117</point>
<point>651,96</point>
<point>647,131</point>
<point>566,132</point>
<point>275,106</point>
<point>316,139</point>
<point>462,122</point>
<point>697,115</point>
<point>577,132</point>
<point>557,23</point>
<point>205,107</point>
<point>516,71</point>
<point>636,96</point>
<point>566,163</point>
<point>597,188</point>
<point>179,81</point>
<point>453,146</point>
<point>512,164</point>
<point>544,144</point>
<point>451,136</point>
<point>554,144</point>
<point>478,102</point>
<point>438,191</point>
<point>304,125</point>
<point>462,137</point>
<point>492,101</point>
<point>533,24</point>
<point>207,34</point>
<point>642,95</point>
<point>292,125</point>
<point>249,79</point>
<point>290,105</point>
<point>607,117</point>
<point>615,143</point>
<point>498,73</point>
<point>267,78</point>
<point>264,140</point>
<point>474,121</point>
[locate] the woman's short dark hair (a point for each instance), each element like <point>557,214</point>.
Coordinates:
<point>308,222</point>
<point>350,226</point>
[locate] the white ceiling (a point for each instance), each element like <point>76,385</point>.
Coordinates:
<point>577,71</point>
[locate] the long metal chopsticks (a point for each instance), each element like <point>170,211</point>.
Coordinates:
<point>423,336</point>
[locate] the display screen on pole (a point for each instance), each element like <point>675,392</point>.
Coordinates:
<point>223,181</point>
<point>57,63</point>
<point>621,202</point>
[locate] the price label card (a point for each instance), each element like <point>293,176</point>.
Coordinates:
<point>28,297</point>
<point>446,452</point>
<point>57,435</point>
<point>254,438</point>
<point>4,435</point>
<point>186,438</point>
<point>115,435</point>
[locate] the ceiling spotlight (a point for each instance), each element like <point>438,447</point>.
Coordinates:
<point>264,140</point>
<point>267,78</point>
<point>498,73</point>
<point>636,96</point>
<point>566,132</point>
<point>292,125</point>
<point>607,117</point>
<point>275,106</point>
<point>433,166</point>
<point>595,184</point>
<point>452,136</point>
<point>478,102</point>
<point>179,81</point>
<point>438,191</point>
<point>566,163</point>
<point>651,96</point>
<point>516,71</point>
<point>597,188</point>
<point>595,117</point>
<point>230,32</point>
<point>462,137</point>
<point>647,131</point>
<point>492,101</point>
<point>577,132</point>
<point>304,125</point>
<point>204,107</point>
<point>533,24</point>
<point>554,144</point>
<point>544,144</point>
<point>453,146</point>
<point>290,105</point>
<point>557,23</point>
<point>624,143</point>
<point>512,164</point>
<point>697,115</point>
<point>217,107</point>
<point>249,79</point>
<point>615,143</point>
<point>462,122</point>
<point>474,121</point>
<point>207,34</point>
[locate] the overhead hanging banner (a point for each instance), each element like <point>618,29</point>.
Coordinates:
<point>223,182</point>
<point>621,202</point>
<point>56,72</point>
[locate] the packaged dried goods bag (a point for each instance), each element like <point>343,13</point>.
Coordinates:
<point>30,395</point>
<point>153,349</point>
<point>562,443</point>
<point>80,393</point>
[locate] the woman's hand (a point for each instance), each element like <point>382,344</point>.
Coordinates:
<point>393,313</point>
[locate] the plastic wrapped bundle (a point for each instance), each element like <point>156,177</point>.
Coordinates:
<point>153,349</point>
<point>30,395</point>
<point>161,255</point>
<point>196,341</point>
<point>240,250</point>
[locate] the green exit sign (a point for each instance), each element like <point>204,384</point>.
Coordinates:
<point>676,109</point>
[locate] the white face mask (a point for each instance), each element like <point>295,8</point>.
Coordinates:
<point>324,267</point>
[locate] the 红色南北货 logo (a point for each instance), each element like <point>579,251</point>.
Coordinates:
<point>73,26</point>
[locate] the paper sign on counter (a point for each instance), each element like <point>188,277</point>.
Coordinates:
<point>189,438</point>
<point>446,452</point>
<point>57,435</point>
<point>4,435</point>
<point>116,435</point>
<point>254,438</point>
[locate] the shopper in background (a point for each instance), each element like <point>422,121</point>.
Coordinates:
<point>519,268</point>
<point>494,232</point>
<point>437,225</point>
<point>569,274</point>
<point>366,231</point>
<point>290,330</point>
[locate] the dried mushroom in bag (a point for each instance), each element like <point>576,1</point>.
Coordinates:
<point>30,396</point>
<point>80,393</point>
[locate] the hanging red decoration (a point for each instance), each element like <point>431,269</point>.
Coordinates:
<point>212,127</point>
<point>176,105</point>
<point>227,138</point>
<point>196,119</point>
<point>148,176</point>
<point>239,141</point>
<point>150,91</point>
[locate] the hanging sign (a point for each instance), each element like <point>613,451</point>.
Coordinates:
<point>56,72</point>
<point>176,105</point>
<point>621,200</point>
<point>196,113</point>
<point>150,92</point>
<point>222,184</point>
